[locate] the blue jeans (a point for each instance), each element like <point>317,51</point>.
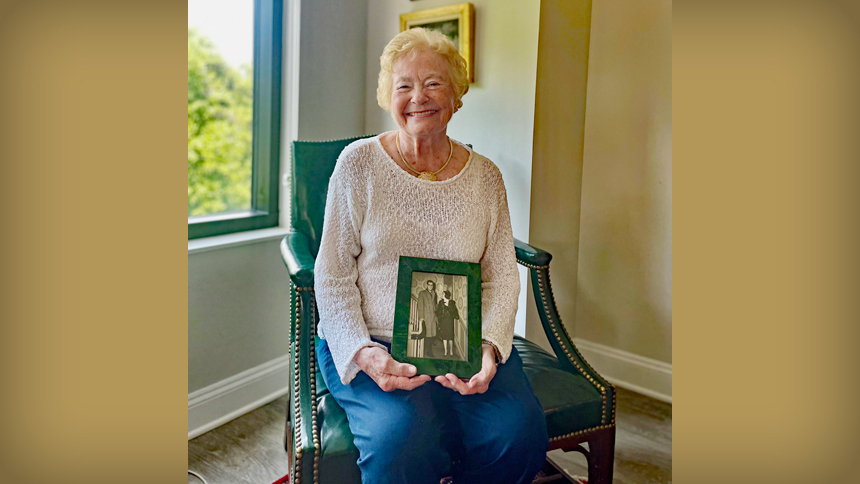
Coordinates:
<point>420,436</point>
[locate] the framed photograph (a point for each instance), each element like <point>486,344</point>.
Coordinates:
<point>437,316</point>
<point>455,21</point>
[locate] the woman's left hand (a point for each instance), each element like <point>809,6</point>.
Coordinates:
<point>478,383</point>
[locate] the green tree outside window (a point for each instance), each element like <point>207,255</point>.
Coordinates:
<point>220,112</point>
<point>234,130</point>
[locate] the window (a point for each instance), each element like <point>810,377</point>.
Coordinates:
<point>234,115</point>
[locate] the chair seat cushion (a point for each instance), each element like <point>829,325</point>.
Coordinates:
<point>569,401</point>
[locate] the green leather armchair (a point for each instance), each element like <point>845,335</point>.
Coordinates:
<point>578,403</point>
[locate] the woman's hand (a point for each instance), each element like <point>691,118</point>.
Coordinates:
<point>386,371</point>
<point>478,383</point>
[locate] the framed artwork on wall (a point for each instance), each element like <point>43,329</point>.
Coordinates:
<point>455,21</point>
<point>437,316</point>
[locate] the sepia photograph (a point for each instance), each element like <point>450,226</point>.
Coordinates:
<point>438,316</point>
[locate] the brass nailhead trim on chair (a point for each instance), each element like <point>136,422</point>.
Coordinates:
<point>543,273</point>
<point>580,432</point>
<point>313,373</point>
<point>614,395</point>
<point>295,475</point>
<point>532,266</point>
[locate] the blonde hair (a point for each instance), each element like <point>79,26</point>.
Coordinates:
<point>412,40</point>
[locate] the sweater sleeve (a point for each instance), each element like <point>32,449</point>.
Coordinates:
<point>338,299</point>
<point>500,280</point>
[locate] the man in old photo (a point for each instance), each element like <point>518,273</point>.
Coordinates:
<point>427,301</point>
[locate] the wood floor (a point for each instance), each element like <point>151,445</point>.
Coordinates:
<point>249,450</point>
<point>643,442</point>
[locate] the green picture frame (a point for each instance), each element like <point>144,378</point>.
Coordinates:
<point>421,335</point>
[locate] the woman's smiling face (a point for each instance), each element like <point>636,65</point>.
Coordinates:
<point>422,98</point>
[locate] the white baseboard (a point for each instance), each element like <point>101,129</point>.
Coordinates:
<point>233,397</point>
<point>643,375</point>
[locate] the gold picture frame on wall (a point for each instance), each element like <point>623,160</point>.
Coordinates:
<point>455,21</point>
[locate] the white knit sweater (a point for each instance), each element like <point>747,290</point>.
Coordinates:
<point>376,212</point>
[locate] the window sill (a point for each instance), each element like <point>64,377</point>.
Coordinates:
<point>205,244</point>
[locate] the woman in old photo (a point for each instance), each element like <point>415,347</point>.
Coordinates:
<point>446,313</point>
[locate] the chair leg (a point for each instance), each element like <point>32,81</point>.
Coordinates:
<point>601,457</point>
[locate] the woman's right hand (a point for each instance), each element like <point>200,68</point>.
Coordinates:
<point>389,374</point>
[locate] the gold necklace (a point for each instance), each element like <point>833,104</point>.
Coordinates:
<point>424,175</point>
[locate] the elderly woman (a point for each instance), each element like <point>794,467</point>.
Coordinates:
<point>416,192</point>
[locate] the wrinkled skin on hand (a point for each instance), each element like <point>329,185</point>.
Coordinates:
<point>478,383</point>
<point>388,373</point>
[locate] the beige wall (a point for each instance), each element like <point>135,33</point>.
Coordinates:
<point>497,117</point>
<point>606,215</point>
<point>558,142</point>
<point>624,289</point>
<point>238,311</point>
<point>331,100</point>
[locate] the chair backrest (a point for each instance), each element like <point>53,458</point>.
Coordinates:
<point>312,164</point>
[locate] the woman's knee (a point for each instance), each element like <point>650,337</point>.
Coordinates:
<point>519,442</point>
<point>511,450</point>
<point>401,445</point>
<point>402,457</point>
<point>397,430</point>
